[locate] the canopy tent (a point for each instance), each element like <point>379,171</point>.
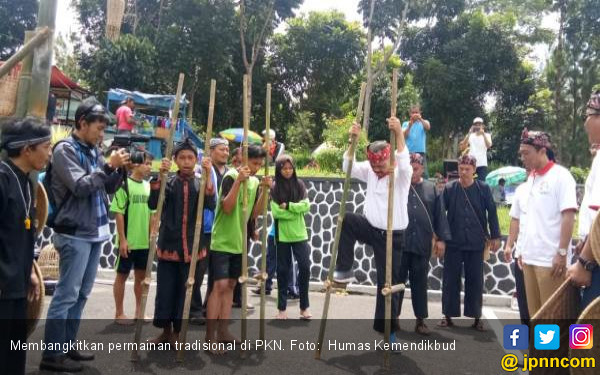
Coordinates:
<point>148,101</point>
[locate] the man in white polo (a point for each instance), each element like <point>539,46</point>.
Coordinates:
<point>547,206</point>
<point>478,142</point>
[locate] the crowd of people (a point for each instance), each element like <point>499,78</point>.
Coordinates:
<point>458,223</point>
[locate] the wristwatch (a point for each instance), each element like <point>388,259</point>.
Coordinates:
<point>562,252</point>
<point>588,265</point>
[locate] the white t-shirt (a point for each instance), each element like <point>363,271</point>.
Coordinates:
<point>539,206</point>
<point>591,199</point>
<point>520,190</point>
<point>376,197</point>
<point>478,149</point>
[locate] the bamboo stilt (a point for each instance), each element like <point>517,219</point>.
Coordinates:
<point>24,80</point>
<point>263,262</point>
<point>198,230</point>
<point>340,221</point>
<point>390,223</point>
<point>246,121</point>
<point>154,229</point>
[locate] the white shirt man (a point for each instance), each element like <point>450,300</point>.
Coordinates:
<point>479,142</point>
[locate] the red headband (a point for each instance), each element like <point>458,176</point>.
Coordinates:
<point>378,157</point>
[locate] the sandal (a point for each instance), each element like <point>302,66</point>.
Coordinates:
<point>478,325</point>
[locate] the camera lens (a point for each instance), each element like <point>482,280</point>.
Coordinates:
<point>136,157</point>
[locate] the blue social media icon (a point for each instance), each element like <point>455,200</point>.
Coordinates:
<point>516,336</point>
<point>546,337</point>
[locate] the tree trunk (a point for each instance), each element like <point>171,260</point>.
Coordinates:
<point>369,89</point>
<point>558,81</point>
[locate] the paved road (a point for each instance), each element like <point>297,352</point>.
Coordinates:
<point>348,334</point>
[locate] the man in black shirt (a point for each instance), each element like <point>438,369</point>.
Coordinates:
<point>427,223</point>
<point>472,217</point>
<point>27,143</point>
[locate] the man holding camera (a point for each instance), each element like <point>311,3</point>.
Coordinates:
<point>80,180</point>
<point>478,142</point>
<point>415,132</point>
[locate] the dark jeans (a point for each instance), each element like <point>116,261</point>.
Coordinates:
<point>357,228</point>
<point>171,278</point>
<point>473,268</point>
<point>13,327</point>
<point>301,252</point>
<point>415,268</point>
<point>482,173</point>
<point>272,268</point>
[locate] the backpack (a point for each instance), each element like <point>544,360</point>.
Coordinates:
<point>46,180</point>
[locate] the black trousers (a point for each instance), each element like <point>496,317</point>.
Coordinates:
<point>301,252</point>
<point>357,228</point>
<point>415,268</point>
<point>171,278</point>
<point>521,295</point>
<point>13,327</point>
<point>454,261</point>
<point>196,307</point>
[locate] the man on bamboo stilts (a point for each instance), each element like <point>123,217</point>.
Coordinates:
<point>427,231</point>
<point>473,221</point>
<point>370,228</point>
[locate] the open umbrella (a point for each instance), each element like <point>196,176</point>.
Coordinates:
<point>236,135</point>
<point>512,176</point>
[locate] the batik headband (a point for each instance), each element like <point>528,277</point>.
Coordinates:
<point>379,156</point>
<point>593,105</point>
<point>537,139</point>
<point>468,160</point>
<point>416,158</point>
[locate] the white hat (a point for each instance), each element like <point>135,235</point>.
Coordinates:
<point>271,133</point>
<point>477,120</point>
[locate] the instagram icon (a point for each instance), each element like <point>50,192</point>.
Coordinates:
<point>581,336</point>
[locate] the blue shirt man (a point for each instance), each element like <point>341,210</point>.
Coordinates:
<point>415,134</point>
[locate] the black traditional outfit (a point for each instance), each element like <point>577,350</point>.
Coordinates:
<point>472,217</point>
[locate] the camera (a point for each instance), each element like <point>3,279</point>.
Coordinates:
<point>126,141</point>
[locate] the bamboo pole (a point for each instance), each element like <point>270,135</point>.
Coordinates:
<point>340,221</point>
<point>263,262</point>
<point>198,230</point>
<point>390,223</point>
<point>37,102</point>
<point>246,120</point>
<point>39,38</point>
<point>154,229</point>
<point>24,79</point>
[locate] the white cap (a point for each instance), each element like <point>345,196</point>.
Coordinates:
<point>271,133</point>
<point>477,120</point>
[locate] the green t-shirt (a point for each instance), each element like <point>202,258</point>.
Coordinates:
<point>227,228</point>
<point>138,213</point>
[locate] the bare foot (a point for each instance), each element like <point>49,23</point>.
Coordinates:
<point>282,315</point>
<point>214,348</point>
<point>123,320</point>
<point>163,338</point>
<point>173,339</point>
<point>305,314</point>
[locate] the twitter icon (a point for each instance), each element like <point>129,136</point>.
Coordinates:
<point>546,337</point>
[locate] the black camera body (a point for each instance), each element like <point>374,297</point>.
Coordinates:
<point>126,141</point>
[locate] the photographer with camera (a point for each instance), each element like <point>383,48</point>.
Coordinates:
<point>478,142</point>
<point>79,179</point>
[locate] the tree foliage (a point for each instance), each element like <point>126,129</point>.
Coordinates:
<point>17,17</point>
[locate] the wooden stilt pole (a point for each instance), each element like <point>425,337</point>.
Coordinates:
<point>338,230</point>
<point>390,222</point>
<point>263,261</point>
<point>246,121</point>
<point>189,287</point>
<point>154,229</point>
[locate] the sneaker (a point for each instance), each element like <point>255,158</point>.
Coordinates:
<point>197,320</point>
<point>293,296</point>
<point>60,363</point>
<point>257,292</point>
<point>343,277</point>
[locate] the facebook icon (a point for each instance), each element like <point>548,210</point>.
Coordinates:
<point>516,336</point>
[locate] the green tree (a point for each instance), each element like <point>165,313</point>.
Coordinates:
<point>315,62</point>
<point>17,17</point>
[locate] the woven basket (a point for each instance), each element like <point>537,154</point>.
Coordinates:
<point>34,309</point>
<point>41,208</point>
<point>48,262</point>
<point>9,85</point>
<point>115,10</point>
